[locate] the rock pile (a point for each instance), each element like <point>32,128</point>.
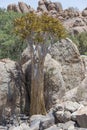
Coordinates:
<point>20,8</point>
<point>74,20</point>
<point>47,6</point>
<point>65,116</point>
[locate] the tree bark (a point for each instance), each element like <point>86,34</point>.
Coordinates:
<point>37,103</point>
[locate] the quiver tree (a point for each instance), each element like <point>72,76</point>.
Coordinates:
<point>40,32</point>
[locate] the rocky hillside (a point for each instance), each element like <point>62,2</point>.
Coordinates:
<point>74,20</point>
<point>65,91</point>
<point>65,79</point>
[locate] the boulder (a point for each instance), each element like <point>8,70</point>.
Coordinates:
<point>78,22</point>
<point>54,127</point>
<point>62,116</point>
<point>67,126</point>
<point>51,6</point>
<point>42,6</point>
<point>84,12</point>
<point>81,94</point>
<point>58,6</point>
<point>75,25</point>
<point>13,7</point>
<point>81,117</point>
<point>12,92</point>
<point>22,126</point>
<point>20,8</point>
<point>67,54</point>
<point>54,83</point>
<point>70,95</point>
<point>23,7</point>
<point>71,106</point>
<point>41,122</point>
<point>78,29</point>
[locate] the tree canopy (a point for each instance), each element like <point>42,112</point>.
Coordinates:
<point>39,28</point>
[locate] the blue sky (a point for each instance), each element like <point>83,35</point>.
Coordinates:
<point>80,4</point>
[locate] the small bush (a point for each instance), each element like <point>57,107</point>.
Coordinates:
<point>81,41</point>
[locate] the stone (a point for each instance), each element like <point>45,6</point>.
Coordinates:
<point>51,6</point>
<point>69,125</point>
<point>81,117</point>
<point>35,118</point>
<point>54,127</point>
<point>47,122</point>
<point>53,82</point>
<point>71,106</point>
<point>23,7</point>
<point>62,116</point>
<point>81,94</point>
<point>67,54</point>
<point>66,126</point>
<point>78,22</point>
<point>14,7</point>
<point>11,85</point>
<point>58,6</point>
<point>42,122</point>
<point>79,29</point>
<point>70,95</point>
<point>22,126</point>
<point>36,126</point>
<point>84,12</point>
<point>20,8</point>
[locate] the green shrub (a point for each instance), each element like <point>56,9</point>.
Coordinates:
<point>11,45</point>
<point>81,41</point>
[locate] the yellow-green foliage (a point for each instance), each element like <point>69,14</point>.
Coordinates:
<point>37,27</point>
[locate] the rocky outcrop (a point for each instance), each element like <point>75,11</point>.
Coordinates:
<point>12,93</point>
<point>73,20</point>
<point>20,8</point>
<point>46,6</point>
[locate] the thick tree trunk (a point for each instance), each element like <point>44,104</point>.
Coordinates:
<point>37,104</point>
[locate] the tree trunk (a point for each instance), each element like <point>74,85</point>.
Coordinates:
<point>37,103</point>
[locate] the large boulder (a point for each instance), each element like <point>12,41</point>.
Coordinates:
<point>20,8</point>
<point>67,54</point>
<point>54,83</point>
<point>23,7</point>
<point>47,6</point>
<point>13,7</point>
<point>12,94</point>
